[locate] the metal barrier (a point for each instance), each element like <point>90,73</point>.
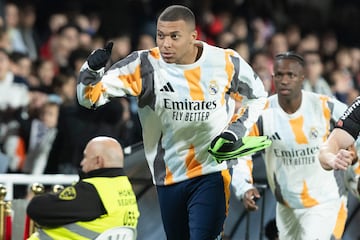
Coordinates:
<point>9,180</point>
<point>5,215</point>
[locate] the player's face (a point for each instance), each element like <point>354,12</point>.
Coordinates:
<point>176,41</point>
<point>288,78</point>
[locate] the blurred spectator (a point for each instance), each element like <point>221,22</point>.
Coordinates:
<point>28,31</point>
<point>5,42</point>
<point>12,26</point>
<point>342,78</point>
<point>145,41</point>
<point>86,33</point>
<point>45,73</point>
<point>277,44</point>
<point>14,98</point>
<point>328,47</point>
<point>66,40</point>
<point>210,26</point>
<point>56,21</point>
<point>341,85</point>
<point>21,65</point>
<point>39,138</point>
<point>225,39</point>
<point>262,65</point>
<point>242,47</point>
<point>293,36</point>
<point>310,42</point>
<point>122,47</point>
<point>314,81</point>
<point>355,65</point>
<point>64,85</point>
<point>239,28</point>
<point>262,31</point>
<point>97,42</point>
<point>77,58</point>
<point>95,22</point>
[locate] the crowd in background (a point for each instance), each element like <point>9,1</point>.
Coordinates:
<point>44,130</point>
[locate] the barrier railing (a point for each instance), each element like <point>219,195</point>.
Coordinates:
<point>9,180</point>
<point>5,215</point>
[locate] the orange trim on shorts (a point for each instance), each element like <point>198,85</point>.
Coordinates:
<point>227,180</point>
<point>340,221</point>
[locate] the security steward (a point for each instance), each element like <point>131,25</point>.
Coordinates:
<point>103,198</point>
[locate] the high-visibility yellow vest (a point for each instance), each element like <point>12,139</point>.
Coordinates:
<point>119,200</point>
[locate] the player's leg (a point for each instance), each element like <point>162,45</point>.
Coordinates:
<point>208,205</point>
<point>172,200</point>
<point>323,220</point>
<point>287,222</point>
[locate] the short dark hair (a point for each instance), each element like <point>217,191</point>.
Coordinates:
<point>291,55</point>
<point>178,12</point>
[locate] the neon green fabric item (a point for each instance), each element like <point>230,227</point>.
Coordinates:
<point>243,147</point>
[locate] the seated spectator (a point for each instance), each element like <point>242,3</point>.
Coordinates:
<point>314,81</point>
<point>14,99</point>
<point>145,41</point>
<point>40,137</point>
<point>103,198</point>
<point>11,12</point>
<point>21,65</point>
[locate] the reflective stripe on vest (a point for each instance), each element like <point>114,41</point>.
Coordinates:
<point>73,228</point>
<point>120,203</point>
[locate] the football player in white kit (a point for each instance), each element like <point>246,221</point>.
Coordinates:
<point>311,202</point>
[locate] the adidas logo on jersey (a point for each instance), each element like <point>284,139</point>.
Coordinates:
<point>167,88</point>
<point>275,136</point>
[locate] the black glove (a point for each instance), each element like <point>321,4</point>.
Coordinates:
<point>99,58</point>
<point>228,146</point>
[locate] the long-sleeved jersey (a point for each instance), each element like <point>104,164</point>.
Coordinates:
<point>181,107</point>
<point>293,169</point>
<point>350,120</point>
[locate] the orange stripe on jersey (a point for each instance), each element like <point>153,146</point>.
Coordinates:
<point>229,69</point>
<point>193,79</point>
<point>93,92</point>
<point>340,221</point>
<point>357,170</point>
<point>155,53</point>
<point>227,180</point>
<point>297,128</point>
<point>194,168</point>
<point>327,115</point>
<point>133,81</point>
<point>254,131</point>
<point>306,199</point>
<point>249,164</point>
<point>236,96</point>
<point>169,178</point>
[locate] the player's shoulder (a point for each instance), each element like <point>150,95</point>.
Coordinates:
<point>215,49</point>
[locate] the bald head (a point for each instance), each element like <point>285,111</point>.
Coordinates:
<point>102,152</point>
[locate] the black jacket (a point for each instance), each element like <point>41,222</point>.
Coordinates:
<point>80,202</point>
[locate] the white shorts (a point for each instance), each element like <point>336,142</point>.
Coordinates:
<point>320,222</point>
